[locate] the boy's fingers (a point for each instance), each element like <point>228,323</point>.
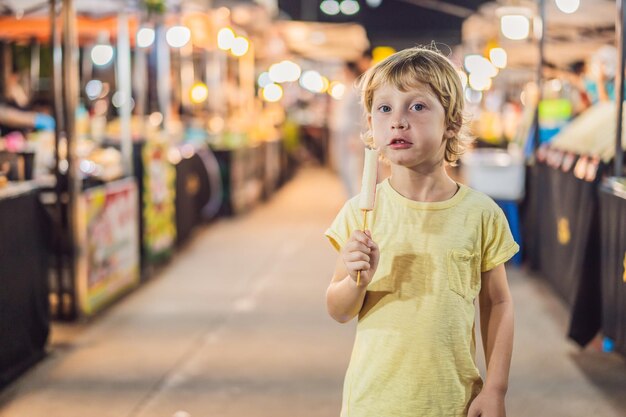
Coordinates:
<point>359,265</point>
<point>357,256</point>
<point>361,237</point>
<point>370,241</point>
<point>357,246</point>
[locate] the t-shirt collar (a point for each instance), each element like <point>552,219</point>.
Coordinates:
<point>423,205</point>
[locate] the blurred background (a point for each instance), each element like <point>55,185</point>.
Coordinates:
<point>168,169</point>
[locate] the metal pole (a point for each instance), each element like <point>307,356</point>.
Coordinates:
<point>542,19</point>
<point>139,82</point>
<point>164,79</point>
<point>57,112</point>
<point>124,88</point>
<point>57,78</point>
<point>619,86</point>
<point>70,100</point>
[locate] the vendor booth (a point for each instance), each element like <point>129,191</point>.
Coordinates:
<point>567,178</point>
<point>562,212</point>
<point>91,198</point>
<point>564,237</point>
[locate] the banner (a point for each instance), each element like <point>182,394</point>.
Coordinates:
<point>109,255</point>
<point>159,192</point>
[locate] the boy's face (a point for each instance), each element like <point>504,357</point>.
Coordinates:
<point>409,127</point>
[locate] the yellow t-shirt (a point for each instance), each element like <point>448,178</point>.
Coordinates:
<point>414,351</point>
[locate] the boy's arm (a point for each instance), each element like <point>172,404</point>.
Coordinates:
<point>496,323</point>
<point>344,298</point>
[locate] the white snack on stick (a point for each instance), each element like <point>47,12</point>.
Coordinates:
<point>368,189</point>
<point>368,184</point>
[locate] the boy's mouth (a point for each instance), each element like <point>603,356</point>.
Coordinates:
<point>400,141</point>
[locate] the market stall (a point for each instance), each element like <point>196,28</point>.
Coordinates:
<point>566,63</point>
<point>566,182</point>
<point>564,245</point>
<point>92,198</point>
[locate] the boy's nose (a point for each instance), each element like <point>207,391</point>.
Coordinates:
<point>399,124</point>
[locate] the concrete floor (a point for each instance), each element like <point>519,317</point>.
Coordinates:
<point>236,326</point>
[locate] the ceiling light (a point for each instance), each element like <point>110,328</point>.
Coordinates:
<point>199,93</point>
<point>330,7</point>
<point>272,93</point>
<point>292,70</point>
<point>240,46</point>
<point>312,81</point>
<point>264,79</point>
<point>515,26</point>
<point>477,64</point>
<point>498,57</point>
<point>101,54</point>
<point>349,7</point>
<point>479,82</point>
<point>178,36</point>
<point>337,90</point>
<point>145,37</point>
<point>568,6</point>
<point>225,39</point>
<point>93,89</point>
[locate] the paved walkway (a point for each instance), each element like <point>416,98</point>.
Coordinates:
<point>236,326</point>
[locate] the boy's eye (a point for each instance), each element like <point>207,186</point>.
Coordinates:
<point>418,107</point>
<point>384,108</point>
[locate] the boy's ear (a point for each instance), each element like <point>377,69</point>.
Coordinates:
<point>452,131</point>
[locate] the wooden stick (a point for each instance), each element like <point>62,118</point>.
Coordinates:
<point>358,274</point>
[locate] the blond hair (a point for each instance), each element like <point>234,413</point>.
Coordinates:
<point>404,70</point>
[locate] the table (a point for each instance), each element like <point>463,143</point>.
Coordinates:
<point>24,312</point>
<point>612,196</point>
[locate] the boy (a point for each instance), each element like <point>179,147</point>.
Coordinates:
<point>433,247</point>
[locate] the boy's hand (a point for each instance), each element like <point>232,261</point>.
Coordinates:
<point>487,404</point>
<point>360,253</point>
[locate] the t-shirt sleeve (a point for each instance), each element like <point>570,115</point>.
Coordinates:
<point>498,245</point>
<point>343,225</point>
